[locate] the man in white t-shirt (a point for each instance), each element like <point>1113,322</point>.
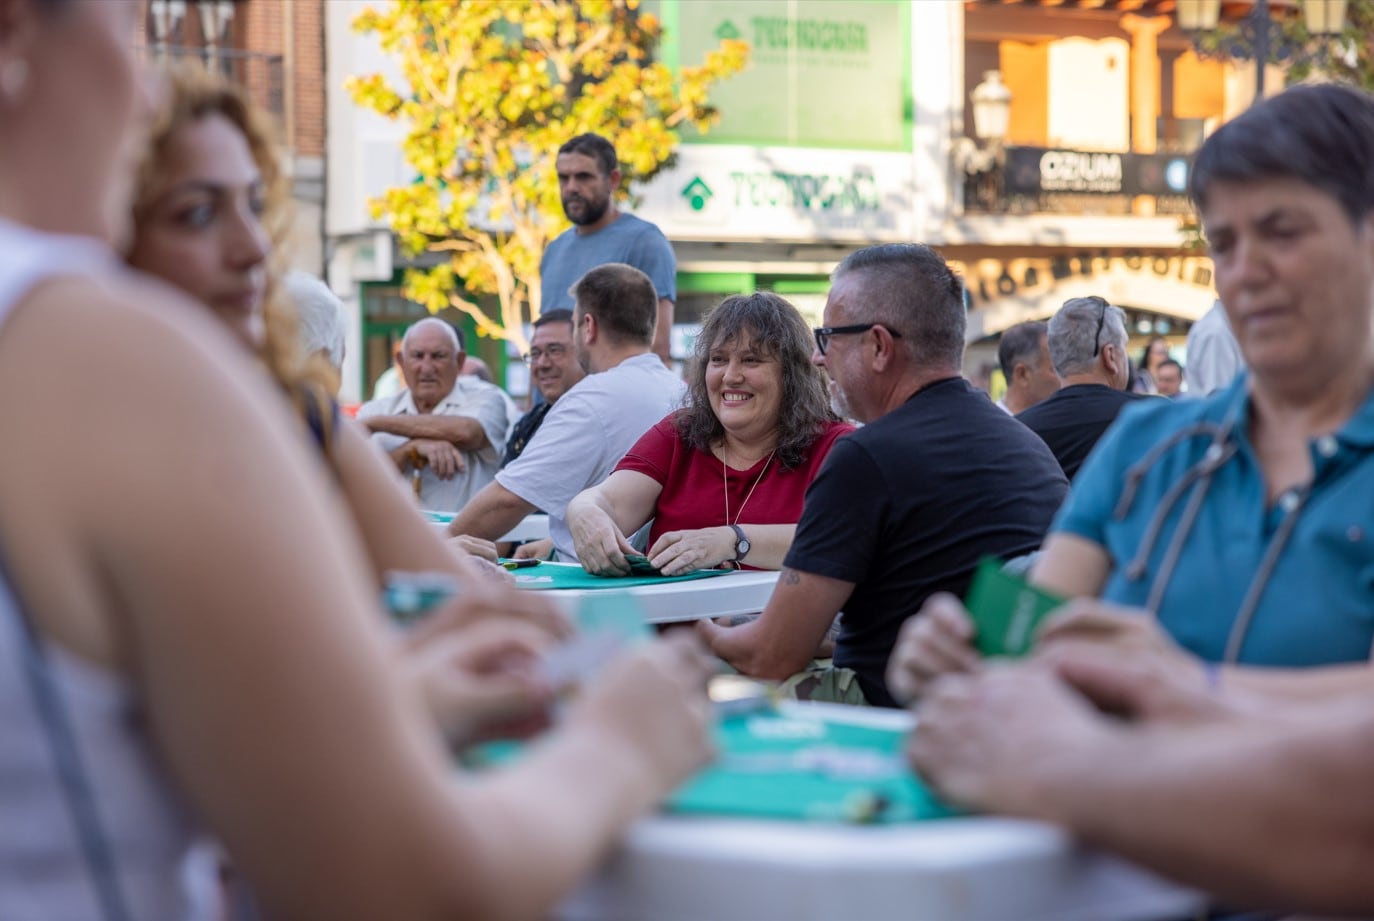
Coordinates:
<point>626,391</point>
<point>1214,357</point>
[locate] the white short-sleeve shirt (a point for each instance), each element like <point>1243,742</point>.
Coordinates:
<point>469,397</point>
<point>585,435</point>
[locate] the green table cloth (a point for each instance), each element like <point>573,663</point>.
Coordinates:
<point>773,765</point>
<point>571,575</point>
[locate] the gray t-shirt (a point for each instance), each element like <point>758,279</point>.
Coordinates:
<point>628,239</point>
<point>585,435</point>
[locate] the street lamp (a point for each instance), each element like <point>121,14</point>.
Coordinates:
<point>1253,39</point>
<point>991,109</point>
<point>981,160</point>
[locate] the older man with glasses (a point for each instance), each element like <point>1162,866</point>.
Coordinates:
<point>553,368</point>
<point>1088,348</point>
<point>936,479</point>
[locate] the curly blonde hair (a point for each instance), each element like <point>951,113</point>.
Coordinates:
<point>191,94</point>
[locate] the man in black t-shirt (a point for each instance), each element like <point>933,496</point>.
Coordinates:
<point>1087,340</point>
<point>936,479</point>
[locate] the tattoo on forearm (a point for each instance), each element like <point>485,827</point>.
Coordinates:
<point>789,577</point>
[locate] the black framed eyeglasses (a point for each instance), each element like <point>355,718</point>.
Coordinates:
<point>1101,319</point>
<point>823,333</point>
<point>554,352</point>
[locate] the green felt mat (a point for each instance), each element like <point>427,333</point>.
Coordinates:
<point>571,575</point>
<point>774,766</point>
<point>781,767</point>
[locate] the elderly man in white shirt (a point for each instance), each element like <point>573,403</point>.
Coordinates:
<point>444,431</point>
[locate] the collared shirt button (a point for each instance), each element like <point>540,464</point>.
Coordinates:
<point>1327,446</point>
<point>1288,501</point>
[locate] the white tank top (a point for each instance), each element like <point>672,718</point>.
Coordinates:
<point>158,867</point>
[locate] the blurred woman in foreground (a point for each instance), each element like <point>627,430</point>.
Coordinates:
<point>210,215</point>
<point>187,618</point>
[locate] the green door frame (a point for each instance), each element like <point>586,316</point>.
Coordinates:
<point>369,327</point>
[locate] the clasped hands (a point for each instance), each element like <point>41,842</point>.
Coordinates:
<point>602,548</point>
<point>443,457</point>
<point>988,733</point>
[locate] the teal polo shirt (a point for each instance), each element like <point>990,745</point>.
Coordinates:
<point>1317,607</point>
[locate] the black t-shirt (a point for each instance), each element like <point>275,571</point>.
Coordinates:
<point>523,431</point>
<point>1072,420</point>
<point>908,504</point>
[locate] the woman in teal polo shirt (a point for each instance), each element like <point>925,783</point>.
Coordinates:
<point>1244,522</point>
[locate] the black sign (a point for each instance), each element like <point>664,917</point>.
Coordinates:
<point>1040,170</point>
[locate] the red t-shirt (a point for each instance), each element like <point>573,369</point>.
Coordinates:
<point>693,494</point>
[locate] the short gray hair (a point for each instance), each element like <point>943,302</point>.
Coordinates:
<point>321,316</point>
<point>912,289</point>
<point>454,338</point>
<point>1073,333</point>
<point>1020,345</point>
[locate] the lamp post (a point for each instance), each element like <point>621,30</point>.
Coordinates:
<point>981,161</point>
<point>991,109</point>
<point>1253,39</point>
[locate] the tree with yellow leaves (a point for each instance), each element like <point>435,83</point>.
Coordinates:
<point>493,88</point>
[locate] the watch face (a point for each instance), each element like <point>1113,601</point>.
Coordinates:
<point>741,548</point>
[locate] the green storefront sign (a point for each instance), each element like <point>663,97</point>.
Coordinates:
<point>793,191</point>
<point>856,192</point>
<point>822,73</point>
<point>779,33</point>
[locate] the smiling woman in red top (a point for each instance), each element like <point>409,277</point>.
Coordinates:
<point>722,479</point>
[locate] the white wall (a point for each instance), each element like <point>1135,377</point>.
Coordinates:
<point>937,85</point>
<point>364,152</point>
<point>364,149</point>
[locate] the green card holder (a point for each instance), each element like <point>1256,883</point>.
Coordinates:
<point>1006,610</point>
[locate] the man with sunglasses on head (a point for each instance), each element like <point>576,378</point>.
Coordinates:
<point>1088,348</point>
<point>937,478</point>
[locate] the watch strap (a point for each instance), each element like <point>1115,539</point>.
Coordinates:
<point>740,542</point>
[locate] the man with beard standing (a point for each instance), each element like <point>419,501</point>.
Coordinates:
<point>588,175</point>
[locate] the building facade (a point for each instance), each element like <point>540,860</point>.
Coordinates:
<point>853,126</point>
<point>274,49</point>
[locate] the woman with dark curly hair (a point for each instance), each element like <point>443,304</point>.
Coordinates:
<point>723,478</point>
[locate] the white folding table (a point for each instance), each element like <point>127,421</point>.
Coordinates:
<point>744,592</point>
<point>680,868</point>
<point>532,527</point>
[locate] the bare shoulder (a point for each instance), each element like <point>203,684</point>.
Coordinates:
<point>128,417</point>
<point>130,399</point>
<point>119,325</point>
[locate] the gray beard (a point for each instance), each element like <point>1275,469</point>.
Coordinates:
<point>838,403</point>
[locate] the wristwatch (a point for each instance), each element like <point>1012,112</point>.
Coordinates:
<point>742,545</point>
